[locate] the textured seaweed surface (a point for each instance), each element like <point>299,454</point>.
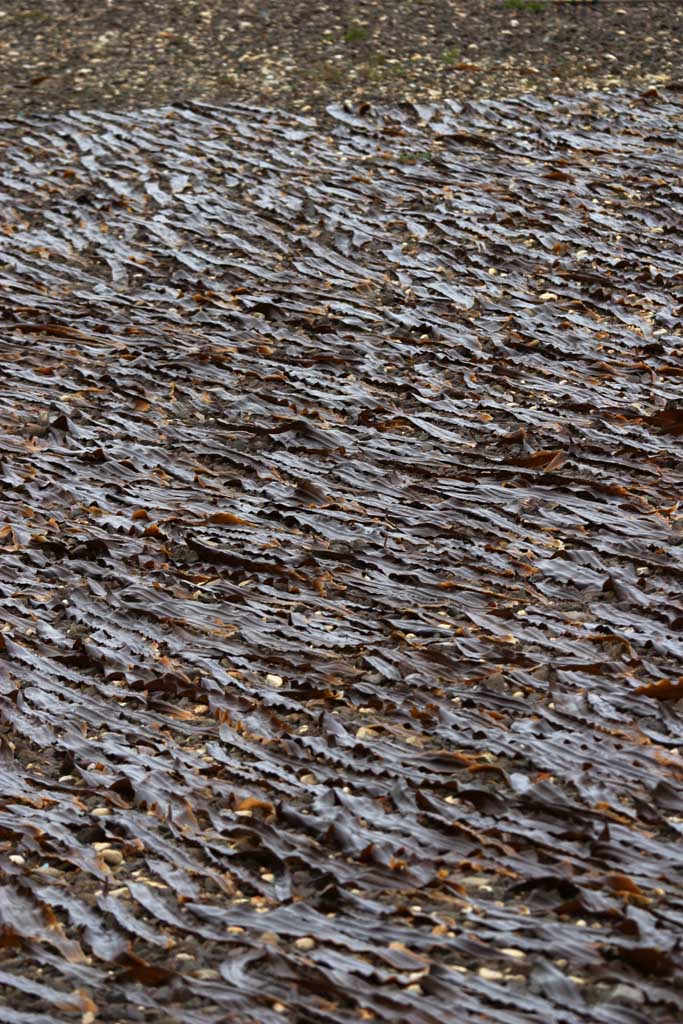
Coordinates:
<point>341,565</point>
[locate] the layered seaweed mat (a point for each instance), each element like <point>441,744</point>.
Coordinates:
<point>341,565</point>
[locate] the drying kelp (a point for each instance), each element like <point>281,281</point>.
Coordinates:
<point>341,564</point>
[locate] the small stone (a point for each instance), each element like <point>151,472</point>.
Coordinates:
<point>100,846</point>
<point>305,943</point>
<point>490,975</point>
<point>274,680</point>
<point>268,876</point>
<point>415,989</point>
<point>365,734</point>
<point>206,974</point>
<point>16,858</point>
<point>476,882</point>
<point>628,993</point>
<point>113,857</point>
<point>100,812</point>
<point>279,1007</point>
<point>547,296</point>
<point>517,953</point>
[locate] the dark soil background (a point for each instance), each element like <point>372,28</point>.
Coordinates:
<point>302,54</point>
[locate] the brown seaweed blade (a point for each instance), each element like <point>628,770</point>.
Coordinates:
<point>341,560</point>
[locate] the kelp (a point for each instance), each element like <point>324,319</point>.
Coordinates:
<point>341,563</point>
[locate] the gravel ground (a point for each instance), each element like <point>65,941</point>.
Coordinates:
<point>303,54</point>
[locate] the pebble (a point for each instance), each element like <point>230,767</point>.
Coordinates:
<point>306,943</point>
<point>476,882</point>
<point>16,858</point>
<point>490,975</point>
<point>100,812</point>
<point>274,680</point>
<point>518,953</point>
<point>629,993</point>
<point>113,857</point>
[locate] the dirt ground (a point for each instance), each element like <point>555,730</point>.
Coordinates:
<point>303,54</point>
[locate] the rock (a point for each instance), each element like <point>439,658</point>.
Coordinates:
<point>113,857</point>
<point>627,993</point>
<point>274,680</point>
<point>306,943</point>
